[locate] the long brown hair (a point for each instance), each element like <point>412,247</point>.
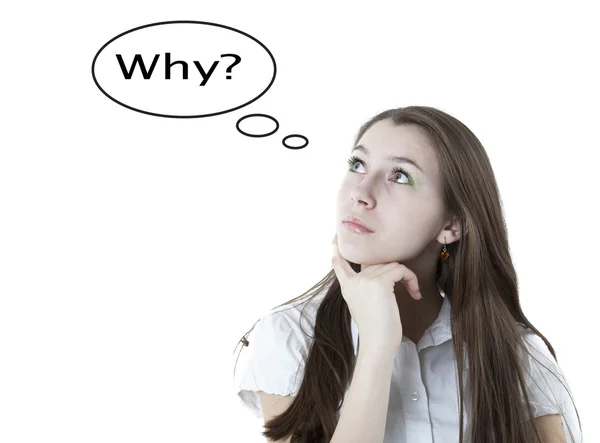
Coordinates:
<point>480,281</point>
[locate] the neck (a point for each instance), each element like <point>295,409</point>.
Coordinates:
<point>417,315</point>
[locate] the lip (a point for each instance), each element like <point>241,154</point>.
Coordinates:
<point>356,221</point>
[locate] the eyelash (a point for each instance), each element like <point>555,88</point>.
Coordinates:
<point>354,159</point>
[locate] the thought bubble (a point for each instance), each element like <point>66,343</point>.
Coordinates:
<point>186,69</point>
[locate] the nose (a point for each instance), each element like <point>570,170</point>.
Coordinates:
<point>365,185</point>
<point>362,193</point>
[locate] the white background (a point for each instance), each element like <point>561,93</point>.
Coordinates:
<point>135,251</point>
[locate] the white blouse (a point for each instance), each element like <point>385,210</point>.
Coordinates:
<point>423,403</point>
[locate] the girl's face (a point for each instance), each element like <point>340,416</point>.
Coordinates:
<point>402,207</point>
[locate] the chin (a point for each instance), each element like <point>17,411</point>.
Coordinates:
<point>360,258</point>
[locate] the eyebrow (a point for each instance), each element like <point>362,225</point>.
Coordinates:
<point>392,158</point>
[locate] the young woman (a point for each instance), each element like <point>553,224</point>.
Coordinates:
<point>422,273</point>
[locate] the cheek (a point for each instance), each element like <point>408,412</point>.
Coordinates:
<point>412,212</point>
<point>345,187</point>
<point>341,194</point>
<point>405,220</point>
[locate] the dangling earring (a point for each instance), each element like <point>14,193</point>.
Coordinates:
<point>445,254</point>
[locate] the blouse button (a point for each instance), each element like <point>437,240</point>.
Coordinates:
<point>415,396</point>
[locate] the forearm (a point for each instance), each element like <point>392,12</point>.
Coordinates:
<point>364,411</point>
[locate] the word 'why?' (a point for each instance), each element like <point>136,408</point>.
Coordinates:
<point>147,73</point>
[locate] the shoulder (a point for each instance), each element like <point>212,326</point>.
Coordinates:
<point>293,312</point>
<point>546,383</point>
<point>292,323</point>
<point>536,348</point>
<point>536,356</point>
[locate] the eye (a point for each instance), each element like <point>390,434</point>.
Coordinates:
<point>354,159</point>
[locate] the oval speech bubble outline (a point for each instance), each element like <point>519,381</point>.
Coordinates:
<point>175,22</point>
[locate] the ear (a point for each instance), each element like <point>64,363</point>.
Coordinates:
<point>451,231</point>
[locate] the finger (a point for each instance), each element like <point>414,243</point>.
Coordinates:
<point>378,270</point>
<point>369,270</point>
<point>408,279</point>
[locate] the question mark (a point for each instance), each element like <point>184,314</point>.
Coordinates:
<point>237,60</point>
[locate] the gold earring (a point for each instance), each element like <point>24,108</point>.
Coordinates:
<point>445,254</point>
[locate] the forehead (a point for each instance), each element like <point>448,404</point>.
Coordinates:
<point>409,140</point>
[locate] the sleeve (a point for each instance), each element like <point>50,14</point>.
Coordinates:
<point>547,386</point>
<point>273,361</point>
